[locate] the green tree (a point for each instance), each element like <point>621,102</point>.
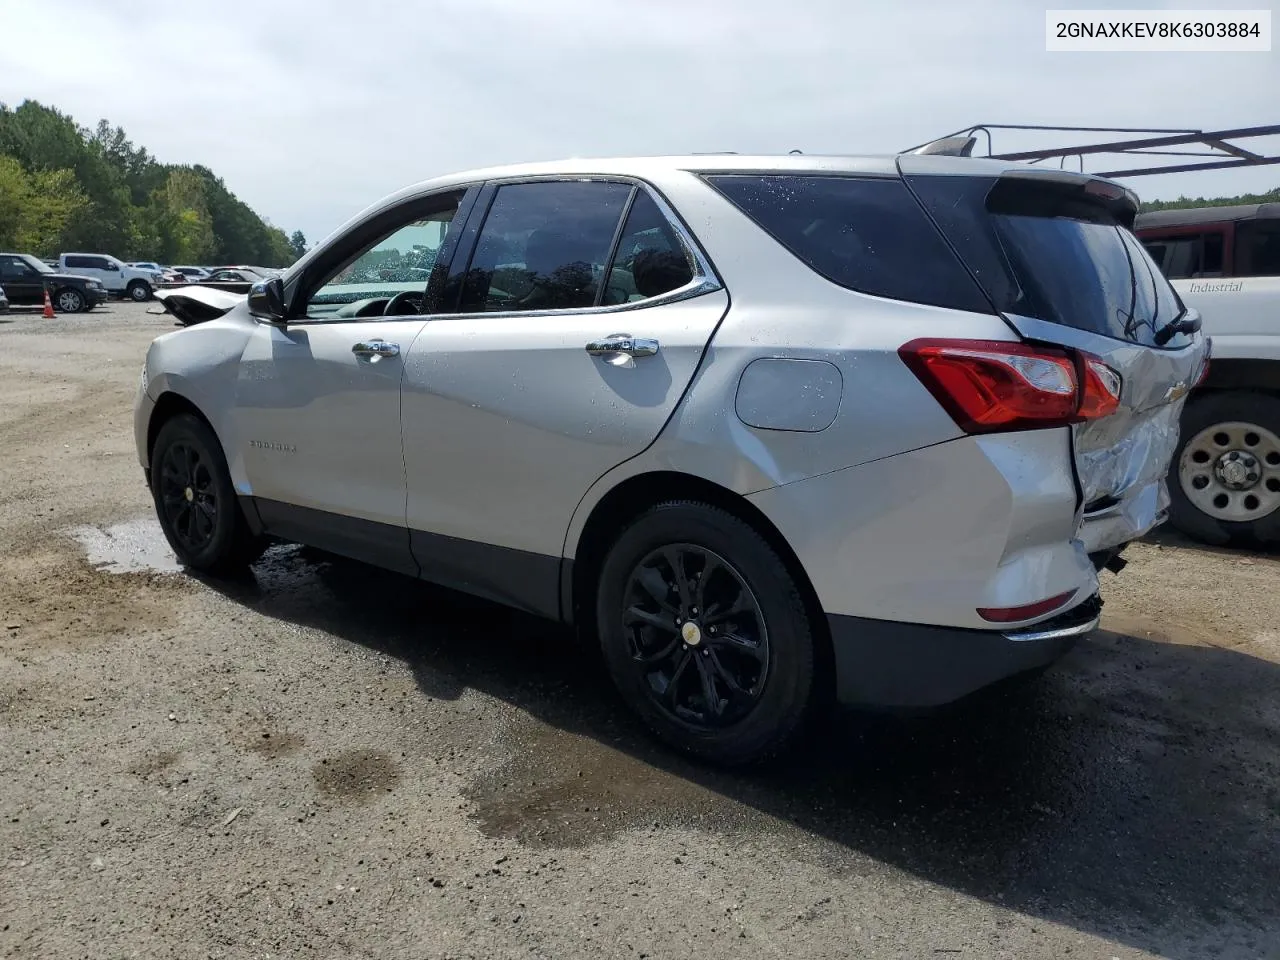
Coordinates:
<point>299,244</point>
<point>1271,196</point>
<point>65,187</point>
<point>35,207</point>
<point>181,216</point>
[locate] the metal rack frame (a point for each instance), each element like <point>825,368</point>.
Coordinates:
<point>1222,153</point>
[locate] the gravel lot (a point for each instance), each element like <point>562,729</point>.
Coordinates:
<point>280,768</point>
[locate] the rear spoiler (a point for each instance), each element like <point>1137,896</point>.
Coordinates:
<point>1020,182</point>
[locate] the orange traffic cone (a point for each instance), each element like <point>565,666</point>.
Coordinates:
<point>48,306</point>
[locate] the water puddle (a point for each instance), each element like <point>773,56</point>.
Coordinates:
<point>136,546</point>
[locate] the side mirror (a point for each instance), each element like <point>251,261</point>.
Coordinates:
<point>266,300</point>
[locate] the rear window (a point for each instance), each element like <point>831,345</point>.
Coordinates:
<point>866,234</point>
<point>1045,249</point>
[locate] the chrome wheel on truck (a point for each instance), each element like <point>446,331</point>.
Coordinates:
<point>1225,487</point>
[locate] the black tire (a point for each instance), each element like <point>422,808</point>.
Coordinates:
<point>1203,412</point>
<point>199,511</point>
<point>139,291</point>
<point>783,695</point>
<point>70,300</point>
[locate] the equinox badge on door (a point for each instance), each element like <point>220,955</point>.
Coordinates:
<point>277,447</point>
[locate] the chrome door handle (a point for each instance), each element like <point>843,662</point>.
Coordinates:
<point>623,343</point>
<point>375,350</point>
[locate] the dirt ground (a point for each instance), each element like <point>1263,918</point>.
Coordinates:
<point>278,768</point>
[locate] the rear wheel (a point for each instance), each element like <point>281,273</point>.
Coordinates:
<point>139,290</point>
<point>70,300</point>
<point>195,501</point>
<point>705,634</point>
<point>1225,481</point>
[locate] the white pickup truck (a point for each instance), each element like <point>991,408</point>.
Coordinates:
<point>120,279</point>
<point>1224,484</point>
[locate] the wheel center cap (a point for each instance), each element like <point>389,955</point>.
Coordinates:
<point>189,494</point>
<point>691,633</point>
<point>1234,472</point>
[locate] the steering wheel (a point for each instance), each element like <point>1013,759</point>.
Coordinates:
<point>404,302</point>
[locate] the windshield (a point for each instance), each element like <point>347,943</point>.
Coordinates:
<point>39,266</point>
<point>1048,250</point>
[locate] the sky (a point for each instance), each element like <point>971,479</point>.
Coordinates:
<point>310,111</point>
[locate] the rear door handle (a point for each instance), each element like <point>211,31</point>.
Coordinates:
<point>375,350</point>
<point>623,344</point>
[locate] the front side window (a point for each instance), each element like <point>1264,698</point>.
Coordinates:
<point>544,246</point>
<point>399,261</point>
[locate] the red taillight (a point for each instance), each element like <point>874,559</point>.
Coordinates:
<point>994,385</point>
<point>1100,393</point>
<point>1025,612</point>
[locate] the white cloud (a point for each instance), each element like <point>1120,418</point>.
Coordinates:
<point>310,111</point>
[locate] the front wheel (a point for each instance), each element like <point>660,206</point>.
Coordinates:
<point>1224,485</point>
<point>139,291</point>
<point>195,501</point>
<point>705,634</point>
<point>70,300</point>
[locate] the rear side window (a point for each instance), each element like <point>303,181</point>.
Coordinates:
<point>1199,255</point>
<point>1258,249</point>
<point>650,259</point>
<point>84,263</point>
<point>869,235</point>
<point>544,246</point>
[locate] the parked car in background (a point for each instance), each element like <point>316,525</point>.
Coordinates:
<point>26,278</point>
<point>4,300</point>
<point>166,274</point>
<point>192,273</point>
<point>773,430</point>
<point>118,278</point>
<point>235,275</point>
<point>1225,262</point>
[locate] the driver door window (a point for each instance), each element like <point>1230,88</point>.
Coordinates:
<point>389,276</point>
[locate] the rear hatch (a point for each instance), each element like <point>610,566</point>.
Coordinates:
<point>1055,253</point>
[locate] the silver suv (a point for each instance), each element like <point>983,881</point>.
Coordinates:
<point>775,431</point>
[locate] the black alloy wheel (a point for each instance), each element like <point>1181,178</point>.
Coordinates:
<point>697,636</point>
<point>196,501</point>
<point>188,496</point>
<point>706,634</point>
